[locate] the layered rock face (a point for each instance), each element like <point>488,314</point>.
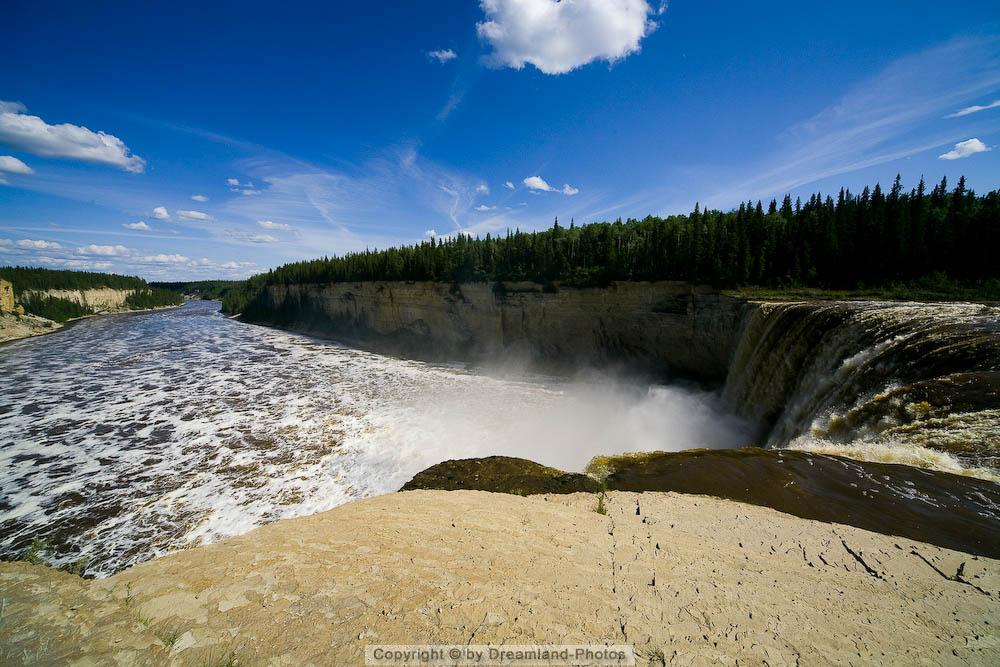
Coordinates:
<point>658,327</point>
<point>6,297</point>
<point>101,300</point>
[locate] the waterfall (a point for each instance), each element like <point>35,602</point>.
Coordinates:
<point>913,383</point>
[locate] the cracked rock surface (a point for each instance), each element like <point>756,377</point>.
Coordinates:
<point>684,579</point>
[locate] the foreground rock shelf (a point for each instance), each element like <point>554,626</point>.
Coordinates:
<point>951,511</point>
<point>685,579</point>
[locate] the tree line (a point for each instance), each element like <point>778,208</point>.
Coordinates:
<point>27,278</point>
<point>33,280</point>
<point>853,240</point>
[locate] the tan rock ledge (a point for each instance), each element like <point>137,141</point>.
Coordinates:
<point>684,579</point>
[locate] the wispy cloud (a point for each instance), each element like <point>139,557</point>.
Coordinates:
<point>442,55</point>
<point>888,117</point>
<point>194,215</point>
<point>200,198</point>
<point>975,108</point>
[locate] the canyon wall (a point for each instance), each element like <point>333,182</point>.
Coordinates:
<point>662,327</point>
<point>6,297</point>
<point>101,299</point>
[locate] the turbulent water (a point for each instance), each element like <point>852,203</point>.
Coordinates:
<point>902,383</point>
<point>128,436</point>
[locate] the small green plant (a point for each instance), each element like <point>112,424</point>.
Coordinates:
<point>129,598</point>
<point>601,508</point>
<point>230,659</point>
<point>34,553</point>
<point>169,638</point>
<point>76,567</point>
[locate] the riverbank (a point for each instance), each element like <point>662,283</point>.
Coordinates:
<point>15,327</point>
<point>683,579</point>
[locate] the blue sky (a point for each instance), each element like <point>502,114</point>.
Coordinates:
<point>198,140</point>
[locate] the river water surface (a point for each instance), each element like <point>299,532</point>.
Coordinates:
<point>128,436</point>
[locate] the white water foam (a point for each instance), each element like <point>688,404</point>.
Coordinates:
<point>126,437</point>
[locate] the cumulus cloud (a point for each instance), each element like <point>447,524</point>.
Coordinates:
<point>483,189</point>
<point>32,244</point>
<point>11,165</point>
<point>263,238</point>
<point>442,55</point>
<point>509,185</point>
<point>267,224</point>
<point>430,233</point>
<point>165,259</point>
<point>160,213</point>
<point>964,149</point>
<point>140,226</point>
<point>537,183</point>
<point>233,182</point>
<point>558,37</point>
<point>482,208</point>
<point>194,215</point>
<point>32,134</point>
<point>199,197</point>
<point>569,190</point>
<point>976,108</point>
<point>104,250</point>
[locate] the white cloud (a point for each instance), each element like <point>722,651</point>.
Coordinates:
<point>104,250</point>
<point>199,197</point>
<point>38,245</point>
<point>141,226</point>
<point>482,208</point>
<point>483,189</point>
<point>233,182</point>
<point>248,192</point>
<point>160,213</point>
<point>267,224</point>
<point>443,55</point>
<point>34,135</point>
<point>557,37</point>
<point>569,190</point>
<point>509,185</point>
<point>11,165</point>
<point>166,259</point>
<point>194,215</point>
<point>537,183</point>
<point>430,233</point>
<point>263,238</point>
<point>976,108</point>
<point>965,149</point>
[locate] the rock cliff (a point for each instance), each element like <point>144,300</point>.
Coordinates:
<point>658,327</point>
<point>6,297</point>
<point>101,299</point>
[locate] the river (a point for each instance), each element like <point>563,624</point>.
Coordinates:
<point>125,437</point>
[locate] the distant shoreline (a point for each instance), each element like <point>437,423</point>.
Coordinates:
<point>52,326</point>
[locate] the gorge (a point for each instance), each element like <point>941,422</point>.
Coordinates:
<point>915,383</point>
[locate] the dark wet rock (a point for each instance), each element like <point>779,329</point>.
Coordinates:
<point>952,511</point>
<point>499,474</point>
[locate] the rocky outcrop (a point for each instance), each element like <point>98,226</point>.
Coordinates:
<point>658,327</point>
<point>14,326</point>
<point>6,297</point>
<point>685,580</point>
<point>100,299</point>
<point>951,511</point>
<point>500,474</point>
